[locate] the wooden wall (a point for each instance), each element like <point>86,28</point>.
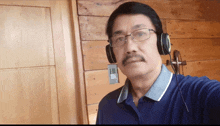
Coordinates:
<point>193,25</point>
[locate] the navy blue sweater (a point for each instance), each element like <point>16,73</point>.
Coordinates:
<point>201,95</point>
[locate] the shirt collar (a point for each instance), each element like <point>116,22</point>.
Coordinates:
<point>156,91</point>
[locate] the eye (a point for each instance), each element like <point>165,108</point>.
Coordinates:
<point>140,34</point>
<point>120,39</point>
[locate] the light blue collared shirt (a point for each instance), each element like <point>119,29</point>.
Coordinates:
<point>156,91</point>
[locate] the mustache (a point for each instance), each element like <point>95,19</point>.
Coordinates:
<point>131,56</point>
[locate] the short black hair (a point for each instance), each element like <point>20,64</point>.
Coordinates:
<point>135,8</point>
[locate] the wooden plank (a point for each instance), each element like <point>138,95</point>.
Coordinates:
<point>79,72</point>
<point>209,68</point>
<point>97,84</point>
<point>93,28</point>
<point>172,9</point>
<point>197,49</point>
<point>193,29</point>
<point>28,96</point>
<point>94,55</point>
<point>25,36</point>
<point>164,25</point>
<point>92,112</point>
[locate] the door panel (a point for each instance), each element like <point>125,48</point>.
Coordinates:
<point>25,36</point>
<point>28,95</point>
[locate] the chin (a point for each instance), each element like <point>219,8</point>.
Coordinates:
<point>136,74</point>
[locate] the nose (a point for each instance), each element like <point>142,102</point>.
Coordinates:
<point>130,46</point>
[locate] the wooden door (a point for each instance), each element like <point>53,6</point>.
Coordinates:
<point>38,64</point>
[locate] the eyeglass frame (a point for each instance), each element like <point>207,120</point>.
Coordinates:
<point>130,35</point>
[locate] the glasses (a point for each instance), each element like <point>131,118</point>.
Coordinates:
<point>137,36</point>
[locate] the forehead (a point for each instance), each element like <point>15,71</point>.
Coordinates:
<point>128,23</point>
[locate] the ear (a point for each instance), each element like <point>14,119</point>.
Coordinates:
<point>110,54</point>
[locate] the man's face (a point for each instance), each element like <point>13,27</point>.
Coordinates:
<point>142,57</point>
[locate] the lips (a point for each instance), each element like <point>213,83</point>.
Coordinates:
<point>132,59</point>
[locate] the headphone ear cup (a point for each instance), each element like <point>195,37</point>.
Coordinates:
<point>165,44</point>
<point>159,46</point>
<point>110,54</point>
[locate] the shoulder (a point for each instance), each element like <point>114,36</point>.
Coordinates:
<point>200,88</point>
<point>190,80</point>
<point>110,98</point>
<point>197,86</point>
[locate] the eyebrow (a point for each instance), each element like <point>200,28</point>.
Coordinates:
<point>117,32</point>
<point>138,26</point>
<point>133,28</point>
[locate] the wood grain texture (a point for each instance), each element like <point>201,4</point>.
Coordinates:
<point>197,49</point>
<point>28,96</point>
<point>65,63</point>
<point>78,66</point>
<point>92,111</point>
<point>94,55</point>
<point>193,29</point>
<point>97,84</point>
<point>171,9</point>
<point>93,28</point>
<point>209,68</point>
<point>25,36</point>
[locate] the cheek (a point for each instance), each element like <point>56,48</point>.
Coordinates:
<point>149,47</point>
<point>118,55</point>
<point>150,50</point>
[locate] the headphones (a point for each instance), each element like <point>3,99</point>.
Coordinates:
<point>163,45</point>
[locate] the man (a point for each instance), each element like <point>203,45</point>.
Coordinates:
<point>151,94</point>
